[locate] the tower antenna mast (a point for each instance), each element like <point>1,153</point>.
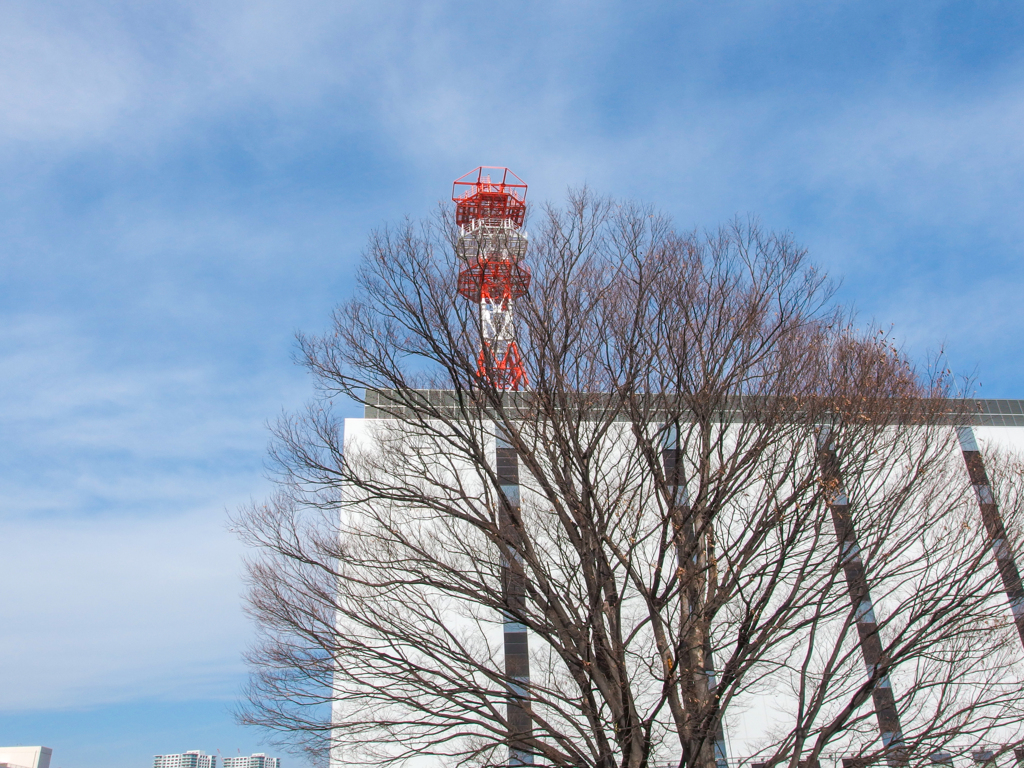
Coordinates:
<point>492,244</point>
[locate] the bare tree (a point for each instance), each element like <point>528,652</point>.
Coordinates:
<point>718,473</point>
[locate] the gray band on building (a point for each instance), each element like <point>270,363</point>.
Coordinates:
<point>1002,550</point>
<point>513,587</point>
<point>680,500</point>
<point>875,659</point>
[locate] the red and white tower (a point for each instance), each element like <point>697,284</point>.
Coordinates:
<point>490,215</point>
<point>492,244</point>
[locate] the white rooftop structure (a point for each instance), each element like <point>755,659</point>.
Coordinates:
<point>26,757</point>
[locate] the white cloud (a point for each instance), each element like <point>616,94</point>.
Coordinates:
<point>58,83</point>
<point>124,580</point>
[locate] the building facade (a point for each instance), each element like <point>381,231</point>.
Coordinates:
<point>256,760</point>
<point>863,587</point>
<point>194,758</point>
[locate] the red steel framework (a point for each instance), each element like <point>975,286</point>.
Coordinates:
<point>490,216</point>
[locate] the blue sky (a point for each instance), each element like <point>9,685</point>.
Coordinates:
<point>185,185</point>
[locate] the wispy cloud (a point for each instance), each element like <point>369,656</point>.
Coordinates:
<point>112,608</point>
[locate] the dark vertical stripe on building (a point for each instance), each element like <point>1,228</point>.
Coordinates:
<point>679,499</point>
<point>860,597</point>
<point>1002,551</point>
<point>513,587</point>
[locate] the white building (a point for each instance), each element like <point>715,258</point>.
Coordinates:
<point>998,427</point>
<point>25,757</point>
<point>256,760</point>
<point>194,758</point>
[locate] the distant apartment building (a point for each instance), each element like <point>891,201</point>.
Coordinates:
<point>194,758</point>
<point>257,760</point>
<point>25,757</point>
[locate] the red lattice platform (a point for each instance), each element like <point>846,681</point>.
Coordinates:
<point>482,198</point>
